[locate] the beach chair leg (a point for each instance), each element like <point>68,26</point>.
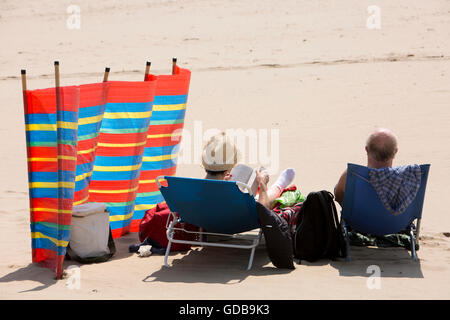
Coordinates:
<point>167,254</point>
<point>250,262</point>
<point>252,254</point>
<point>347,240</point>
<point>413,242</point>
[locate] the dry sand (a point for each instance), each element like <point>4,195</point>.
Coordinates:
<point>312,70</point>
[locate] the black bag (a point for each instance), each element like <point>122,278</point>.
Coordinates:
<point>318,233</point>
<point>278,238</point>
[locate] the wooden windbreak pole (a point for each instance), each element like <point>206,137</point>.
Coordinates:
<point>174,65</point>
<point>147,70</point>
<point>59,120</point>
<point>23,74</point>
<point>105,76</point>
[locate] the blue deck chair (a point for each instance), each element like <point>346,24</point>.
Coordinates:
<point>219,207</point>
<point>363,211</point>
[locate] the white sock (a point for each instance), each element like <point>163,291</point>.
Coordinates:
<point>285,178</point>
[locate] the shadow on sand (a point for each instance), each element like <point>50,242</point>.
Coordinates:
<point>46,277</point>
<point>393,263</point>
<point>215,265</point>
<point>32,272</point>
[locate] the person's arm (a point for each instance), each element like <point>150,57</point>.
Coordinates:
<point>340,188</point>
<point>262,180</point>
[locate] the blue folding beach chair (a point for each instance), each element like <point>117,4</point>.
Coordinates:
<point>219,207</point>
<point>363,211</point>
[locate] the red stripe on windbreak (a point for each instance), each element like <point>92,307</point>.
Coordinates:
<point>93,94</point>
<point>116,233</point>
<point>40,255</point>
<point>44,203</point>
<point>114,185</point>
<point>68,150</point>
<point>67,165</point>
<point>63,219</point>
<point>162,142</point>
<point>44,100</point>
<point>43,166</point>
<point>43,152</point>
<point>152,174</point>
<point>122,137</point>
<point>134,225</point>
<point>131,92</point>
<point>112,197</point>
<point>85,158</point>
<point>81,194</point>
<point>123,151</point>
<point>175,84</point>
<point>164,128</point>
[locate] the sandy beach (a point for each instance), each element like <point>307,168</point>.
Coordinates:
<point>312,72</point>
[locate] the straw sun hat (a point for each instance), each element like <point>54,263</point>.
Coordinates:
<point>219,154</point>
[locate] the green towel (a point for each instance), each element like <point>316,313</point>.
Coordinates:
<point>391,240</point>
<point>289,198</point>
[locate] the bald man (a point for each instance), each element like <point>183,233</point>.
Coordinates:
<point>381,148</point>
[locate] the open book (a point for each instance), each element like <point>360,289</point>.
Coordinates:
<point>245,174</point>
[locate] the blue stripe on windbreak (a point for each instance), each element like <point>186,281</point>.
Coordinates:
<point>52,232</point>
<point>90,128</point>
<point>129,106</point>
<point>67,193</point>
<point>115,175</point>
<point>50,118</point>
<point>92,111</point>
<point>158,165</point>
<point>161,151</point>
<point>168,115</point>
<point>119,224</point>
<point>43,243</point>
<point>41,136</point>
<point>127,123</point>
<point>117,161</point>
<point>120,210</point>
<point>84,168</point>
<point>38,176</point>
<point>165,100</point>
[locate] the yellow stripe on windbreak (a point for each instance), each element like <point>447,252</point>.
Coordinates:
<point>120,145</point>
<point>40,127</point>
<point>160,158</point>
<point>114,191</point>
<point>90,120</point>
<point>164,135</point>
<point>68,125</point>
<point>169,107</point>
<point>147,181</point>
<point>117,168</point>
<point>81,201</point>
<point>59,243</point>
<point>144,206</point>
<point>51,127</point>
<point>64,184</point>
<point>50,210</point>
<point>121,217</point>
<point>87,151</point>
<point>67,158</point>
<point>43,159</point>
<point>83,176</point>
<point>127,115</point>
<point>53,159</point>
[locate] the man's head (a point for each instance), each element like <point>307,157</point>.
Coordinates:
<point>219,157</point>
<point>381,148</point>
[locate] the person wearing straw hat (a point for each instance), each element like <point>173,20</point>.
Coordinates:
<point>220,155</point>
